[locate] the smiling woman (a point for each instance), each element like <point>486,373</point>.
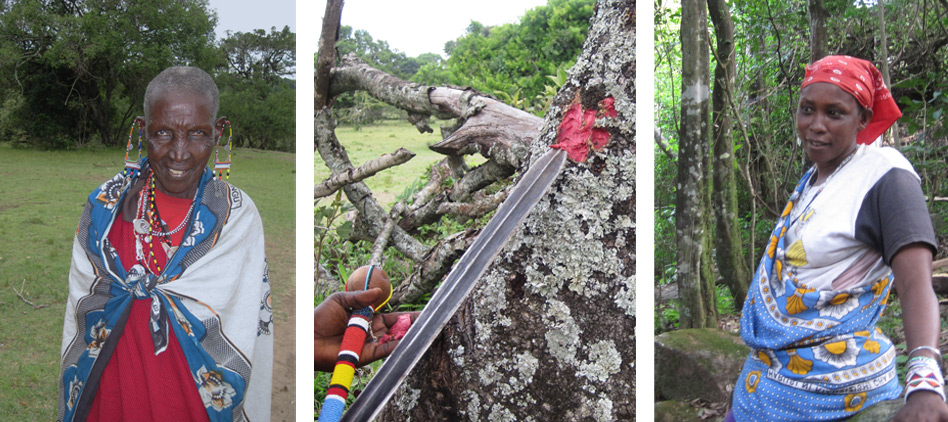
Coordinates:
<point>169,314</point>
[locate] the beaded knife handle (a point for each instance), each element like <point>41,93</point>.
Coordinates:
<point>352,342</point>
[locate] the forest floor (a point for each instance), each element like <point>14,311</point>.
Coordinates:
<point>42,194</point>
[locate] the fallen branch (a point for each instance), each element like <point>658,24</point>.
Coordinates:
<point>382,240</point>
<point>479,207</point>
<point>369,169</point>
<point>429,272</point>
<point>24,299</point>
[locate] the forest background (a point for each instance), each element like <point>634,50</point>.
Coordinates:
<point>72,78</point>
<point>73,73</point>
<point>746,153</point>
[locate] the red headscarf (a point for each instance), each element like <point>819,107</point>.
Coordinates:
<point>861,79</point>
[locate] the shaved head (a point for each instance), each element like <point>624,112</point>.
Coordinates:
<point>183,79</point>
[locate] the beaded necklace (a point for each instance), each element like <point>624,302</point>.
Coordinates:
<point>147,224</point>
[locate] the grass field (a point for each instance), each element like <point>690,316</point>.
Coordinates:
<point>385,137</point>
<point>42,194</point>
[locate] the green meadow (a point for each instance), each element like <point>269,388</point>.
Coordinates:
<point>385,137</point>
<point>42,194</point>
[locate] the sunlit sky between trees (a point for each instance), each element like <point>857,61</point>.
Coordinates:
<point>423,26</point>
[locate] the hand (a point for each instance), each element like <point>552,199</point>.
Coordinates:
<point>331,318</point>
<point>923,406</point>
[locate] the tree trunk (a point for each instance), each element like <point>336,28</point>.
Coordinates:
<point>884,61</point>
<point>691,224</point>
<point>818,37</point>
<point>549,333</point>
<point>727,240</point>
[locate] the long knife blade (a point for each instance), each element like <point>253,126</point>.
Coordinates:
<point>457,285</point>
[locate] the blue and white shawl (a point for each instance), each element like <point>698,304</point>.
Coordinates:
<point>810,314</point>
<point>214,293</point>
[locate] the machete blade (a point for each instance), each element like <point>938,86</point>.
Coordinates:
<point>457,285</point>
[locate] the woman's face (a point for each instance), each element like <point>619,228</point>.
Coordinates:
<point>828,119</point>
<point>180,131</point>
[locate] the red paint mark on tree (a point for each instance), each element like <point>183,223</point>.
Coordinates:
<point>578,131</point>
<point>398,330</point>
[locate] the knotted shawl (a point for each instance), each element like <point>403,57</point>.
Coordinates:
<point>214,293</point>
<point>816,353</point>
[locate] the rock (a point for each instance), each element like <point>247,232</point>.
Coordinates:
<point>879,412</point>
<point>675,411</point>
<point>698,363</point>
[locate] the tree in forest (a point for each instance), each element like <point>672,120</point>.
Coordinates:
<point>77,69</point>
<point>548,333</point>
<point>256,92</point>
<point>728,245</point>
<point>692,221</point>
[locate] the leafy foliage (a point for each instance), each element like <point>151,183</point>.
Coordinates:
<point>772,47</point>
<point>75,72</point>
<point>255,92</point>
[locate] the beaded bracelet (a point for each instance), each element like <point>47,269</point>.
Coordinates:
<point>924,374</point>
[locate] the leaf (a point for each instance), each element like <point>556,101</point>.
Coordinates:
<point>344,230</point>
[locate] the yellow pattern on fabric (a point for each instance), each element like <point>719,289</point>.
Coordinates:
<point>854,402</point>
<point>796,254</point>
<point>799,365</point>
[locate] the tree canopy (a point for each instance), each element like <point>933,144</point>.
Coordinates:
<point>74,72</point>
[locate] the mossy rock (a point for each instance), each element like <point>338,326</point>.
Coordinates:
<point>675,411</point>
<point>698,363</point>
<point>879,412</point>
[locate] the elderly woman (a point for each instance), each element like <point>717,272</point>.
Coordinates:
<point>856,225</point>
<point>169,315</point>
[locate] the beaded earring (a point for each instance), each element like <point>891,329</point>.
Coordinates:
<point>133,166</point>
<point>221,166</point>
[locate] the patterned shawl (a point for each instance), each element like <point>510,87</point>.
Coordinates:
<point>214,293</point>
<point>816,353</point>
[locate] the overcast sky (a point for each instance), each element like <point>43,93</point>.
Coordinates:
<point>423,26</point>
<point>247,15</point>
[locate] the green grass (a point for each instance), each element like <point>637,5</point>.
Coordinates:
<point>42,194</point>
<point>385,137</point>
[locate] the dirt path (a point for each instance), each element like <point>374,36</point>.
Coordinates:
<point>281,254</point>
<point>283,407</point>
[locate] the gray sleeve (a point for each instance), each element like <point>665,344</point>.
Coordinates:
<point>893,214</point>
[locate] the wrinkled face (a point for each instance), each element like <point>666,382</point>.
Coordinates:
<point>180,130</point>
<point>828,119</point>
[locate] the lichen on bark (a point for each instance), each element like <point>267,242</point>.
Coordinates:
<point>548,333</point>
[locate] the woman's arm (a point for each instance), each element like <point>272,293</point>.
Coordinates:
<point>912,266</point>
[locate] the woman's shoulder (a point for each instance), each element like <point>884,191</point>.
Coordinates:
<point>881,160</point>
<point>237,200</point>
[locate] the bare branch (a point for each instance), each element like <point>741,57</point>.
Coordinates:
<point>369,169</point>
<point>663,145</point>
<point>382,240</point>
<point>433,268</point>
<point>19,295</point>
<point>336,158</point>
<point>480,206</point>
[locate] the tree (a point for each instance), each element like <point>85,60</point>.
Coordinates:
<point>729,253</point>
<point>695,282</point>
<point>539,339</point>
<point>256,94</point>
<point>76,79</point>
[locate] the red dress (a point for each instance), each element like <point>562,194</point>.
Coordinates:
<point>137,385</point>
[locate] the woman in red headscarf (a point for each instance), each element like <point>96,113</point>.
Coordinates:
<point>855,226</point>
